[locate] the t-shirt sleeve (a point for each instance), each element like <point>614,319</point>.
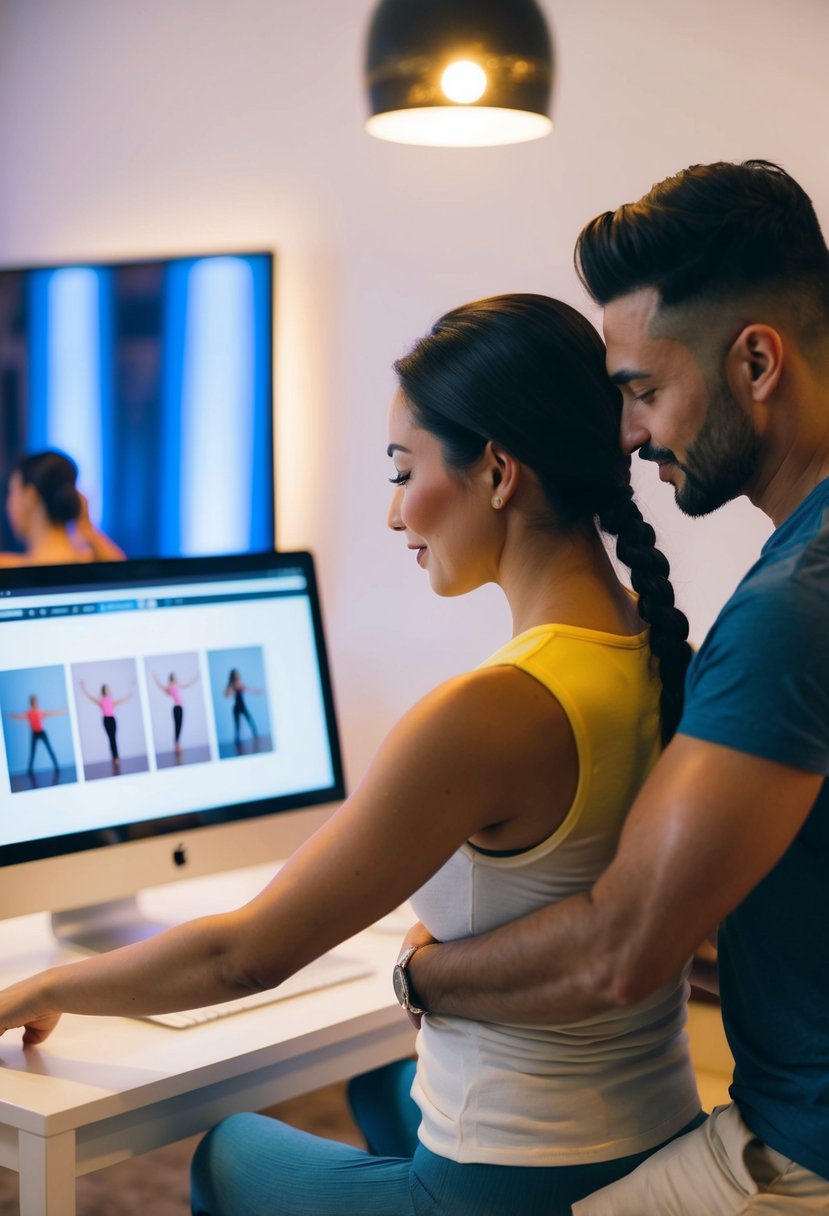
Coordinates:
<point>760,681</point>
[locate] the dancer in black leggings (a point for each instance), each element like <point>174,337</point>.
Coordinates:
<point>174,690</point>
<point>34,715</point>
<point>107,703</point>
<point>236,688</point>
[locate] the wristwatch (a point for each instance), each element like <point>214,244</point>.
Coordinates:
<point>400,981</point>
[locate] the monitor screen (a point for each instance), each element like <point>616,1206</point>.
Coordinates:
<point>154,701</point>
<point>156,377</point>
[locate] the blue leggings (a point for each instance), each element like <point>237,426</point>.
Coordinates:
<point>251,1165</point>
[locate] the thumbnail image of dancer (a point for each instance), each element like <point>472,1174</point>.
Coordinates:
<point>34,715</point>
<point>236,688</point>
<point>107,703</point>
<point>174,689</point>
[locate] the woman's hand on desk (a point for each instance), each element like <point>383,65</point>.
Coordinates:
<point>19,1006</point>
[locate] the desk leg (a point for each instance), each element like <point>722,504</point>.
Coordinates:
<point>47,1174</point>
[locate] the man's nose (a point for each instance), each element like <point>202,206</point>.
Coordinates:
<point>633,434</point>
<point>393,519</point>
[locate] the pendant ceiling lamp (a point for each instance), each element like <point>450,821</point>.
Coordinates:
<point>459,72</point>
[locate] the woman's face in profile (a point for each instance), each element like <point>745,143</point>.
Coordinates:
<point>447,518</point>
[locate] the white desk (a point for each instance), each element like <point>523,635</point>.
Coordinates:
<point>101,1090</point>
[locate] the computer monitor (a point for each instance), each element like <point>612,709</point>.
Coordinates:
<point>160,719</point>
<point>156,377</point>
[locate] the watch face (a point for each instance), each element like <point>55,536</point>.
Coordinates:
<point>401,988</point>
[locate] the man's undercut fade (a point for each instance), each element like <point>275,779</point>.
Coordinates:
<point>716,234</point>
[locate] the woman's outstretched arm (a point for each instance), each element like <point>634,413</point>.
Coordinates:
<point>88,695</point>
<point>450,768</point>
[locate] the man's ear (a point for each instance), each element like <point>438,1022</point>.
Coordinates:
<point>501,471</point>
<point>754,362</point>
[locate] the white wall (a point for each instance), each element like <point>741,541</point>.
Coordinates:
<point>193,125</point>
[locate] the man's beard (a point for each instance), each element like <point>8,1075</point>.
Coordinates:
<point>721,461</point>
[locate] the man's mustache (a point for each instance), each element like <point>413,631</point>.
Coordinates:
<point>649,451</point>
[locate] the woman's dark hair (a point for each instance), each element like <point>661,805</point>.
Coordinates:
<point>528,373</point>
<point>53,475</point>
<point>712,232</point>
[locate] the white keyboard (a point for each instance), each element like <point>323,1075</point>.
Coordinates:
<point>331,968</point>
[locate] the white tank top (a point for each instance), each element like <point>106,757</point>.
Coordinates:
<point>595,1090</point>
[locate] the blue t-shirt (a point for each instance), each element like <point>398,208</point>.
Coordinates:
<point>760,684</point>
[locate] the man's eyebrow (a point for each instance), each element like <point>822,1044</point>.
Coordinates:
<point>397,447</point>
<point>626,374</point>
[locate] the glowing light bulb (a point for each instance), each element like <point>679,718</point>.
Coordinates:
<point>464,81</point>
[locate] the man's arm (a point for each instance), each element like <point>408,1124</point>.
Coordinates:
<point>708,824</point>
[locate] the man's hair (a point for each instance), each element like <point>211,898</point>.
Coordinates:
<point>714,233</point>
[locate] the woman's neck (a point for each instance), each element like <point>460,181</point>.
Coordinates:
<point>49,544</point>
<point>568,580</point>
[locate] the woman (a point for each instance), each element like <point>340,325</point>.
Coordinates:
<point>501,790</point>
<point>107,705</point>
<point>35,716</point>
<point>174,689</point>
<point>237,688</point>
<point>51,518</point>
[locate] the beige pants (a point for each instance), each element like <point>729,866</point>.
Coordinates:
<point>719,1169</point>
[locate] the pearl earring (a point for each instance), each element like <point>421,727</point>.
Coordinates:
<point>497,501</point>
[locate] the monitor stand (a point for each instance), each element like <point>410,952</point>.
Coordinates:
<point>105,926</point>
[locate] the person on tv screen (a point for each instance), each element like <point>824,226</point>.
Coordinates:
<point>35,717</point>
<point>173,689</point>
<point>107,705</point>
<point>501,791</point>
<point>237,689</point>
<point>50,517</point>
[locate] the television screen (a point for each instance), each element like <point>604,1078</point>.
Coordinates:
<point>156,377</point>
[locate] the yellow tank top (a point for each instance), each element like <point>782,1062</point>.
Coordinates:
<point>607,1087</point>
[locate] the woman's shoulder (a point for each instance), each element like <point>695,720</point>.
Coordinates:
<point>500,713</point>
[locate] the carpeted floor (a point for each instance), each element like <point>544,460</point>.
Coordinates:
<point>156,1183</point>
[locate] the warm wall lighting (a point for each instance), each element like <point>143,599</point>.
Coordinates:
<point>459,72</point>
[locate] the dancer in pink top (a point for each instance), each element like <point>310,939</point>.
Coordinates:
<point>106,703</point>
<point>174,690</point>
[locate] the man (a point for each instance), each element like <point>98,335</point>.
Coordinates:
<point>715,287</point>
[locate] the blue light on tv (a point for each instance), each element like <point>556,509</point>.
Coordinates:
<point>69,398</point>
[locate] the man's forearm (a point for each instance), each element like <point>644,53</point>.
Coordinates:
<point>550,966</point>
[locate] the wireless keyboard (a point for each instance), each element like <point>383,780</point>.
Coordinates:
<point>332,968</point>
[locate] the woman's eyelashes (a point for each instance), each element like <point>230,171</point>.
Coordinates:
<point>400,479</point>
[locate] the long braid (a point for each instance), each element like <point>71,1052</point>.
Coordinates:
<point>649,571</point>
